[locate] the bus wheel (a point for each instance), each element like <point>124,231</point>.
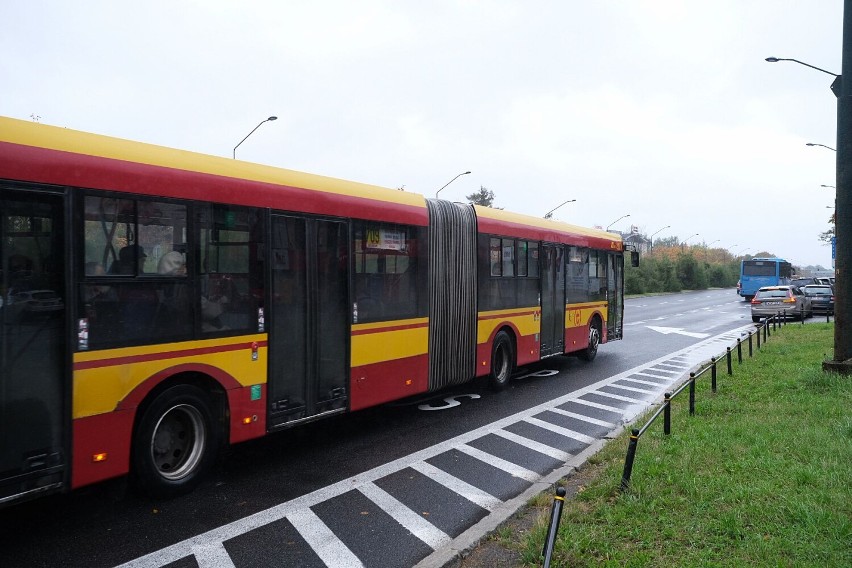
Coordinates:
<point>502,362</point>
<point>175,442</point>
<point>591,351</point>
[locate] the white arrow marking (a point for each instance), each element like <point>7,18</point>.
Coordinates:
<point>679,331</point>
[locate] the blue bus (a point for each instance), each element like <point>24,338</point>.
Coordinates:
<point>759,272</point>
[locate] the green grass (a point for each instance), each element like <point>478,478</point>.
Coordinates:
<point>760,476</point>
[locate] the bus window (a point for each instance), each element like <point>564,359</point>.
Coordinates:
<point>231,285</point>
<point>127,243</point>
<point>496,263</point>
<point>533,260</point>
<point>386,272</point>
<point>523,249</point>
<point>508,257</point>
<point>577,277</point>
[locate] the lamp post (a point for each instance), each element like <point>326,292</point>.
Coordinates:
<point>777,59</point>
<point>728,249</point>
<point>823,145</point>
<point>549,214</point>
<point>683,244</point>
<point>831,186</point>
<point>842,361</point>
<point>270,119</point>
<point>449,182</point>
<point>651,238</point>
<point>616,221</point>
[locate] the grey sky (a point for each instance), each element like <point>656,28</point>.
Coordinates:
<point>663,110</point>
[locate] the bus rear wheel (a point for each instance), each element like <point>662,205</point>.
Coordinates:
<point>502,362</point>
<point>175,442</point>
<point>591,351</point>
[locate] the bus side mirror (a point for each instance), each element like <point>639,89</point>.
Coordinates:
<point>634,258</point>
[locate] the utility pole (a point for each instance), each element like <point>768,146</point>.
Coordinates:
<point>842,87</point>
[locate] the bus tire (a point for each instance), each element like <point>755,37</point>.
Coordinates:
<point>502,362</point>
<point>591,350</point>
<point>175,442</point>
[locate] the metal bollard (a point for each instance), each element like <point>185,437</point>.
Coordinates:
<point>803,314</point>
<point>553,527</point>
<point>827,320</point>
<point>692,394</point>
<point>739,351</point>
<point>667,414</point>
<point>713,374</point>
<point>765,331</point>
<point>730,369</point>
<point>628,461</point>
<point>750,350</point>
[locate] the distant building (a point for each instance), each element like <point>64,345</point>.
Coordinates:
<point>638,242</point>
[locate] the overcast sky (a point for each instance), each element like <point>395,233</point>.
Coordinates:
<point>662,110</point>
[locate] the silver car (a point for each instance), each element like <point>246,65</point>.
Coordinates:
<point>787,300</point>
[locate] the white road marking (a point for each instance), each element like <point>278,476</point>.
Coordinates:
<point>534,445</point>
<point>322,540</point>
<point>414,522</point>
<point>208,549</point>
<point>513,469</point>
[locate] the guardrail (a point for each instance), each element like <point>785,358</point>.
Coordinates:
<point>766,328</point>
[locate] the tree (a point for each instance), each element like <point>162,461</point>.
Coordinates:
<point>483,197</point>
<point>829,234</point>
<point>667,242</point>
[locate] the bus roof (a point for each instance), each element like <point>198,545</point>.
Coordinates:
<point>41,153</point>
<point>498,221</point>
<point>48,154</point>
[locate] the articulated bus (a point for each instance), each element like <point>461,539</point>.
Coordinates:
<point>157,305</point>
<point>759,272</point>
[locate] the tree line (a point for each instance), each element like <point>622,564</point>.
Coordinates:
<point>676,268</point>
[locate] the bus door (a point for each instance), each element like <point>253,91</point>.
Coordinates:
<point>309,333</point>
<point>552,300</point>
<point>33,343</point>
<point>615,297</point>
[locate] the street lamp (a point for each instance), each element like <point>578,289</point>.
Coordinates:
<point>549,214</point>
<point>449,182</point>
<point>616,221</point>
<point>823,145</point>
<point>843,221</point>
<point>270,119</point>
<point>651,238</point>
<point>831,186</point>
<point>683,244</point>
<point>708,246</point>
<point>777,59</point>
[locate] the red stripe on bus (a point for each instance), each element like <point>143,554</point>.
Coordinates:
<point>390,328</point>
<point>93,172</point>
<point>509,228</point>
<point>162,356</point>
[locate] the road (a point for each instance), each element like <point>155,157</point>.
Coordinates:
<point>398,485</point>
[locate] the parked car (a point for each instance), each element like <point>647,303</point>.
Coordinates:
<point>771,300</point>
<point>803,281</point>
<point>821,296</point>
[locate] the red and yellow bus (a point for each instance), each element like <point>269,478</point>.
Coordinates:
<point>157,304</point>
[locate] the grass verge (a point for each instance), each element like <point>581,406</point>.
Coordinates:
<point>760,476</point>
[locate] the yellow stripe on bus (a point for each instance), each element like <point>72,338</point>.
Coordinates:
<point>102,379</point>
<point>527,320</point>
<point>579,315</point>
<point>388,341</point>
